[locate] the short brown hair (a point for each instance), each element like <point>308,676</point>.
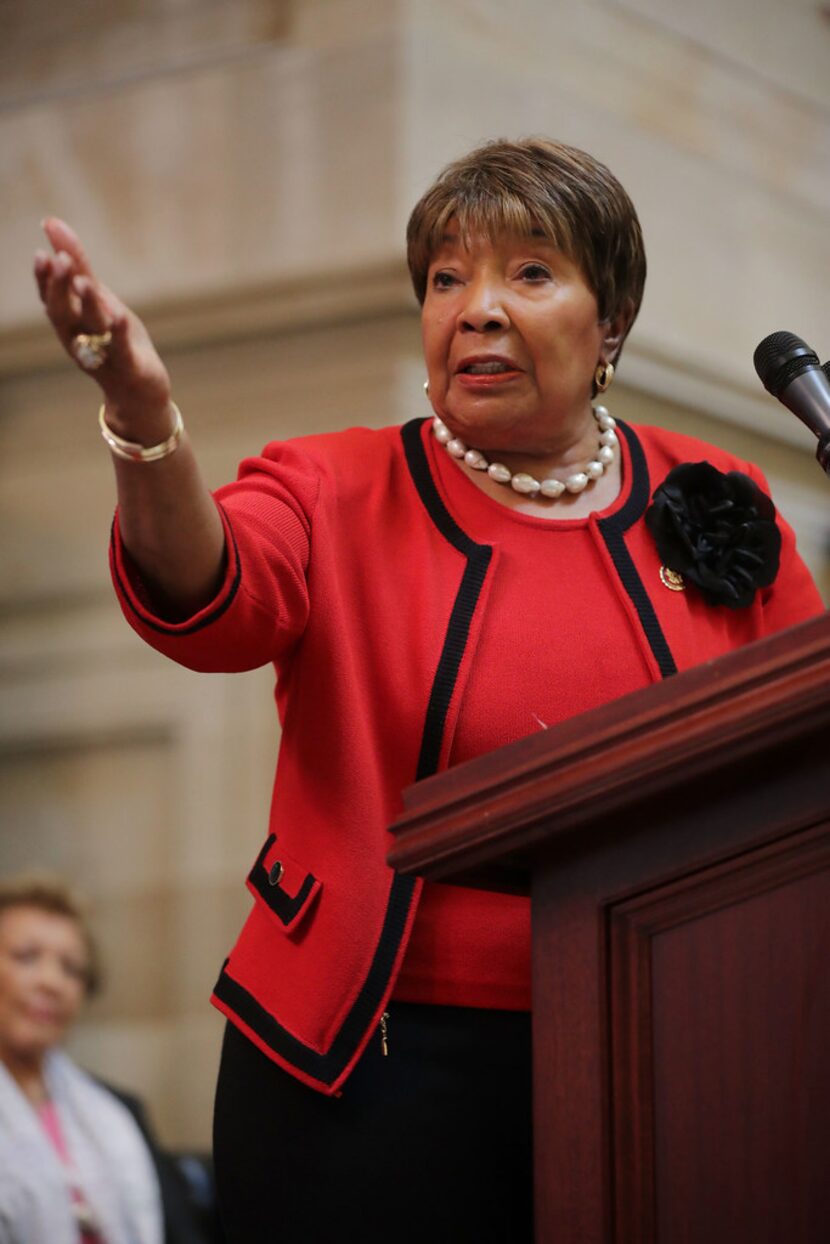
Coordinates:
<point>51,895</point>
<point>532,185</point>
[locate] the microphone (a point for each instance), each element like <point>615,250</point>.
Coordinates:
<point>790,371</point>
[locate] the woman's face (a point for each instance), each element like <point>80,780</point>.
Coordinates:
<point>43,972</point>
<point>512,339</point>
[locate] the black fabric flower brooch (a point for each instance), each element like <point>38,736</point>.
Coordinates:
<point>716,530</point>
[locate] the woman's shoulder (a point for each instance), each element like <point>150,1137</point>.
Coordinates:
<point>69,1082</point>
<point>350,463</point>
<point>674,448</point>
<point>356,447</point>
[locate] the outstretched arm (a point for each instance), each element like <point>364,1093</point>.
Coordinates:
<point>169,522</point>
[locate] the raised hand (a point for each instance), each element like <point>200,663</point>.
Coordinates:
<point>103,336</point>
<point>166,515</point>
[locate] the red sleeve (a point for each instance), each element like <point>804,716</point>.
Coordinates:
<point>261,607</point>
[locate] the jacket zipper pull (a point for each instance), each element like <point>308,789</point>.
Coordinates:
<point>384,1033</point>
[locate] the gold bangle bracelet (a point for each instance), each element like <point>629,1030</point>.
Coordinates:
<point>131,450</point>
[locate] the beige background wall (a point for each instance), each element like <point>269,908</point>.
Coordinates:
<point>242,171</point>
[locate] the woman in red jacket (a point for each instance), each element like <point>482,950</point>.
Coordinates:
<point>426,594</point>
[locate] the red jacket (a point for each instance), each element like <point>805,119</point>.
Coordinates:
<point>348,573</point>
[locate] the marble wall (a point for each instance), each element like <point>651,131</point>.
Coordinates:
<point>242,171</point>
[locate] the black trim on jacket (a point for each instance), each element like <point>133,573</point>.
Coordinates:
<point>327,1068</point>
<point>170,628</point>
<point>613,531</point>
<point>266,883</point>
<point>455,641</point>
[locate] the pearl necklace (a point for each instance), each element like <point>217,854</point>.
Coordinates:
<point>524,483</point>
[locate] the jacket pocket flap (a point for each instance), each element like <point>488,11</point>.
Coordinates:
<point>284,886</point>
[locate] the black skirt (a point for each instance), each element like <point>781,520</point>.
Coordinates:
<point>430,1143</point>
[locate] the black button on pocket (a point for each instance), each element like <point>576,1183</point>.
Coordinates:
<point>285,886</point>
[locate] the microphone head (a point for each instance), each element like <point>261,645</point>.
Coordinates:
<point>780,358</point>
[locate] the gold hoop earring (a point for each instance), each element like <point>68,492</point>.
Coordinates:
<point>426,389</point>
<point>603,376</point>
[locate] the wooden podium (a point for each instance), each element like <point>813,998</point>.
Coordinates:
<point>676,844</point>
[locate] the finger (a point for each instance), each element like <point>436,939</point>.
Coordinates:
<point>115,308</point>
<point>64,238</point>
<point>120,349</point>
<point>63,306</point>
<point>43,272</point>
<point>116,317</point>
<point>102,313</point>
<point>95,314</point>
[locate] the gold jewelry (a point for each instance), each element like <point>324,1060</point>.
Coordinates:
<point>603,376</point>
<point>131,450</point>
<point>672,579</point>
<point>90,349</point>
<point>426,388</point>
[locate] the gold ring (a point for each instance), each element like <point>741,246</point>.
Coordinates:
<point>90,349</point>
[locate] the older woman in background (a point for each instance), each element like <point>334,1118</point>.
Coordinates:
<point>426,594</point>
<point>74,1168</point>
